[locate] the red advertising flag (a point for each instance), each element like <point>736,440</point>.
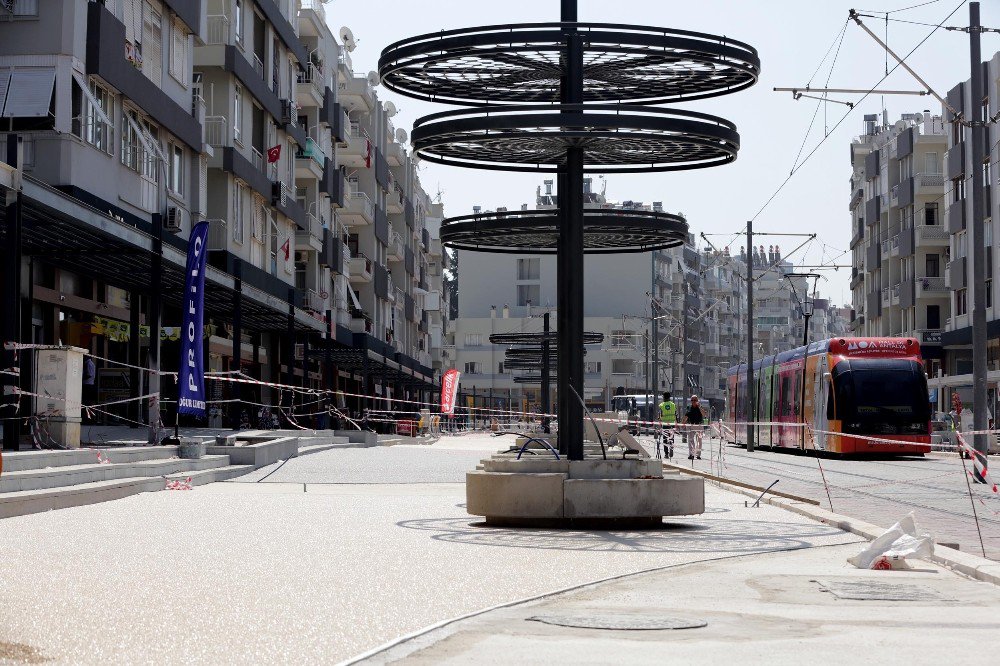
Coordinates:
<point>274,154</point>
<point>449,390</point>
<point>286,248</point>
<point>368,156</point>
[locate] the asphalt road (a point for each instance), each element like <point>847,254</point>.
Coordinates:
<point>880,491</point>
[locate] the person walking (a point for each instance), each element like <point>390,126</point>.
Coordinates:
<point>668,421</point>
<point>695,417</point>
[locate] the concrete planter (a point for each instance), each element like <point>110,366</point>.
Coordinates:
<point>191,449</point>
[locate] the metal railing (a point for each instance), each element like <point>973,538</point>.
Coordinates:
<point>258,65</point>
<point>932,284</point>
<point>313,225</point>
<point>311,151</point>
<point>220,29</point>
<point>928,180</point>
<point>215,131</point>
<point>312,76</point>
<point>363,202</point>
<point>218,238</point>
<point>257,159</point>
<point>314,5</point>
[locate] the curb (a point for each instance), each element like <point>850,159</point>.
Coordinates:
<point>973,566</point>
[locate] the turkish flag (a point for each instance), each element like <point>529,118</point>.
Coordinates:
<point>286,248</point>
<point>368,157</point>
<point>274,154</point>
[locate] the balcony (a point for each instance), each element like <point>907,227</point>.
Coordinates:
<point>895,294</point>
<point>357,94</point>
<point>432,301</point>
<point>930,235</point>
<point>396,154</point>
<point>310,87</point>
<point>314,301</point>
<point>886,297</point>
<point>345,68</point>
<point>358,210</point>
<point>315,12</point>
<point>394,200</point>
<point>362,268</point>
<point>310,160</point>
<point>358,150</point>
<point>216,131</point>
<point>310,239</point>
<point>932,286</point>
<point>346,251</point>
<point>218,238</point>
<point>396,250</point>
<point>360,323</point>
<point>220,29</point>
<point>928,184</point>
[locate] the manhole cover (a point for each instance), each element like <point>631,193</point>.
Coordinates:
<point>871,590</point>
<point>621,622</point>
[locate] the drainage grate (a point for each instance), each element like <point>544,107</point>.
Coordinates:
<point>872,590</point>
<point>621,622</point>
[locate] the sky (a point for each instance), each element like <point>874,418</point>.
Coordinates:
<point>792,38</point>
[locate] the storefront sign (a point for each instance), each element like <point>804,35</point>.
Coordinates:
<point>191,378</point>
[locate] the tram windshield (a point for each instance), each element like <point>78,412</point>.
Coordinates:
<point>881,396</point>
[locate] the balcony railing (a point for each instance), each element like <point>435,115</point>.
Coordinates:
<point>257,159</point>
<point>361,200</point>
<point>258,65</point>
<point>217,235</point>
<point>932,284</point>
<point>314,226</point>
<point>215,131</point>
<point>219,29</point>
<point>316,6</point>
<point>312,76</point>
<point>311,151</point>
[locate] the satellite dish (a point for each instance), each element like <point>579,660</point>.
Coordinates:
<point>390,108</point>
<point>919,117</point>
<point>347,37</point>
<point>402,136</point>
<point>900,125</point>
<point>373,79</point>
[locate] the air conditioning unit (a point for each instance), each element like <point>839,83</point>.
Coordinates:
<point>300,351</point>
<point>174,219</point>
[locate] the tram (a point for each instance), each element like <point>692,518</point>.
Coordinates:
<point>841,388</point>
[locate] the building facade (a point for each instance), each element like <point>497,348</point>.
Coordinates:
<point>137,119</point>
<point>900,246</point>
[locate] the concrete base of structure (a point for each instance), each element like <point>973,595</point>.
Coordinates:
<point>584,494</point>
<point>64,431</point>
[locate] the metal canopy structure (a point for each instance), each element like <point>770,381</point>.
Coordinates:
<point>605,231</point>
<point>524,64</point>
<point>569,97</point>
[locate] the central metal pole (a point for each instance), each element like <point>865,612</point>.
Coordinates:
<point>656,337</point>
<point>751,403</point>
<point>979,362</point>
<point>570,258</point>
<point>546,387</point>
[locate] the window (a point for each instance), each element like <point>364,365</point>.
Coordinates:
<point>500,368</point>
<point>176,169</point>
<point>97,132</point>
<point>933,267</point>
<point>528,294</point>
<point>931,214</point>
<point>238,220</point>
<point>622,366</point>
<point>933,316</point>
<point>528,269</point>
<point>989,293</point>
<point>593,367</point>
<point>238,114</point>
<point>134,154</point>
<point>179,52</point>
<point>473,368</point>
<point>931,164</point>
<point>958,188</point>
<point>152,44</point>
<point>238,21</point>
<point>131,147</point>
<point>961,302</point>
<point>473,339</point>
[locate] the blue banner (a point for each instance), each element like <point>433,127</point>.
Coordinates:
<point>191,378</point>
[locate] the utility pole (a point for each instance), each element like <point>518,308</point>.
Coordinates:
<point>750,328</point>
<point>979,392</point>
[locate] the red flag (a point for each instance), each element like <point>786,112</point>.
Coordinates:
<point>368,156</point>
<point>285,248</point>
<point>274,154</point>
<point>449,388</point>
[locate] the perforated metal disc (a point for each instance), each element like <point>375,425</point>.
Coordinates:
<point>614,138</point>
<point>537,231</point>
<point>522,63</point>
<point>621,622</point>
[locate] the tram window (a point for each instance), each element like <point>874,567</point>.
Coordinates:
<point>786,396</point>
<point>830,412</point>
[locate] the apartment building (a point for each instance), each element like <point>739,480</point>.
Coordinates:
<point>955,373</point>
<point>136,119</point>
<point>899,241</point>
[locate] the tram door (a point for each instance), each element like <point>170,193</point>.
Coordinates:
<point>821,394</point>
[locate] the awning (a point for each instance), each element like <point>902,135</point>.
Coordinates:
<point>29,93</point>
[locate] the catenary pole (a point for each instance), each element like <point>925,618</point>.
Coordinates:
<point>751,402</point>
<point>979,391</point>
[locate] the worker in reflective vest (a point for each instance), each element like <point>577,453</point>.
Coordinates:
<point>668,410</point>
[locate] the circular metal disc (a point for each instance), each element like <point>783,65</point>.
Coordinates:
<point>621,622</point>
<point>537,231</point>
<point>614,138</point>
<point>522,63</point>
